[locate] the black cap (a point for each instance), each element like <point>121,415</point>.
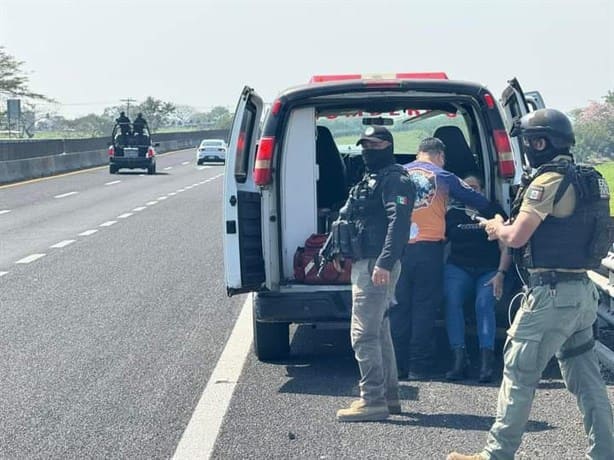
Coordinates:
<point>376,134</point>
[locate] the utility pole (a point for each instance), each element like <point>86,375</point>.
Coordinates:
<point>128,101</point>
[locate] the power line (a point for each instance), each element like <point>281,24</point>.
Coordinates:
<point>128,100</point>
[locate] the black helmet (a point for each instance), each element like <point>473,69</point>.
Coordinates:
<point>549,124</point>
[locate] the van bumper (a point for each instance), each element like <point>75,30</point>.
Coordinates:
<point>303,307</point>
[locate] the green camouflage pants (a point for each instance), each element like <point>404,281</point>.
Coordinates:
<point>552,322</point>
<point>370,333</point>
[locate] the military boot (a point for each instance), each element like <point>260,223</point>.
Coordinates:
<point>459,365</point>
<point>394,405</point>
<point>487,358</point>
<point>362,411</point>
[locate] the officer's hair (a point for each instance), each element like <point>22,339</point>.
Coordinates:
<point>432,146</point>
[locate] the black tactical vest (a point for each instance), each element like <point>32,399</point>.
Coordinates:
<point>579,241</point>
<point>368,211</point>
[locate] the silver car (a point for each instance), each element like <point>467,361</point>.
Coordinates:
<point>211,150</point>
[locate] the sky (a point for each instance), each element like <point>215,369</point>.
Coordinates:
<point>90,54</point>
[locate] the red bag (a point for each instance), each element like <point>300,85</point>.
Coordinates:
<point>306,264</point>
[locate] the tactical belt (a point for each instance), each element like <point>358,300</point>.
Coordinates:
<point>551,278</point>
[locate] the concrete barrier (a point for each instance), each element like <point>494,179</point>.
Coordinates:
<point>32,166</point>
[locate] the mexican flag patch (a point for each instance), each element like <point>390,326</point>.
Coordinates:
<point>402,200</point>
<point>535,192</point>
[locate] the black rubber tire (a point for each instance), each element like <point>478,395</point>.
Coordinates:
<point>271,340</point>
<point>151,170</point>
<point>112,169</point>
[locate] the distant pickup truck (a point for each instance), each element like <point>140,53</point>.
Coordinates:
<point>130,149</point>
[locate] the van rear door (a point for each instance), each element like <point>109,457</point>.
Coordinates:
<point>515,104</point>
<point>243,257</point>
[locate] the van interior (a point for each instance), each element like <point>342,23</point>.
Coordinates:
<point>320,161</point>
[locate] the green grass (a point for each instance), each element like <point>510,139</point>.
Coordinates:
<point>404,141</point>
<point>607,169</point>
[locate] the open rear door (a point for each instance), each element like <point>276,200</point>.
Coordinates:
<point>243,259</point>
<point>515,104</point>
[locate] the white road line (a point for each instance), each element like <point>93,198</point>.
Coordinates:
<point>172,194</point>
<point>30,258</point>
<point>199,437</point>
<point>140,208</point>
<point>64,195</point>
<point>151,203</point>
<point>108,223</point>
<point>62,244</point>
<point>87,232</point>
<point>167,168</point>
<point>185,163</point>
<point>162,198</point>
<point>181,190</point>
<point>113,182</point>
<point>124,215</point>
<point>4,211</point>
<point>200,168</point>
<point>3,273</point>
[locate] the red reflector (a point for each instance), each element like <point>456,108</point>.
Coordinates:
<point>394,76</point>
<point>425,75</point>
<point>264,158</point>
<point>150,152</point>
<point>504,154</point>
<point>276,107</point>
<point>111,151</point>
<point>490,101</point>
<point>325,78</point>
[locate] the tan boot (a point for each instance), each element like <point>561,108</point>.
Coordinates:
<point>394,406</point>
<point>457,456</point>
<point>360,411</point>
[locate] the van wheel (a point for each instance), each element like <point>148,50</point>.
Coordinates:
<point>271,340</point>
<point>151,169</point>
<point>112,169</point>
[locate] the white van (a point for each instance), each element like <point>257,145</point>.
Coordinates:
<point>287,175</point>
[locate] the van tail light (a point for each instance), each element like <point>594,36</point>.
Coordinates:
<point>505,158</point>
<point>264,159</point>
<point>111,151</point>
<point>150,152</point>
<point>489,100</point>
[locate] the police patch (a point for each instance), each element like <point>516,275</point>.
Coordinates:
<point>402,200</point>
<point>604,191</point>
<point>535,192</point>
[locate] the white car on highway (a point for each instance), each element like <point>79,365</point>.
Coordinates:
<point>211,150</point>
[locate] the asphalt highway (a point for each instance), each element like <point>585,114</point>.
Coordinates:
<point>114,318</point>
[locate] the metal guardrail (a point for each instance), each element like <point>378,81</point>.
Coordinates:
<point>605,313</point>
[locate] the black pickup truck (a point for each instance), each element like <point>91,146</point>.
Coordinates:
<point>130,149</point>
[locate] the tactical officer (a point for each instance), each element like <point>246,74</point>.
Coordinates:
<point>139,124</point>
<point>379,209</point>
<point>124,123</point>
<point>558,230</point>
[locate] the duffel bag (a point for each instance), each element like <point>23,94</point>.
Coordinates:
<point>306,264</point>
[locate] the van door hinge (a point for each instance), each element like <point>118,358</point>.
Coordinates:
<point>233,200</point>
<point>231,227</point>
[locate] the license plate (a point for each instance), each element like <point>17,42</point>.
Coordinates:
<point>131,153</point>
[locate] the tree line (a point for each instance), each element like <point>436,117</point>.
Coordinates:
<point>593,124</point>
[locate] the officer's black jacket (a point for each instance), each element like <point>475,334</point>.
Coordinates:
<point>386,225</point>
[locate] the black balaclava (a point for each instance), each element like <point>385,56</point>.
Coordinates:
<point>378,159</point>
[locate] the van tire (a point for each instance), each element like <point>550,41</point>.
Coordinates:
<point>271,340</point>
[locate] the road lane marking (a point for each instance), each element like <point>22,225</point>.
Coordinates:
<point>161,198</point>
<point>108,223</point>
<point>124,215</point>
<point>200,168</point>
<point>113,182</point>
<point>87,232</point>
<point>185,163</point>
<point>172,194</point>
<point>64,195</point>
<point>199,437</point>
<point>151,203</point>
<point>62,244</point>
<point>4,211</point>
<point>167,168</point>
<point>3,273</point>
<point>30,258</point>
<point>181,190</point>
<point>140,208</point>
